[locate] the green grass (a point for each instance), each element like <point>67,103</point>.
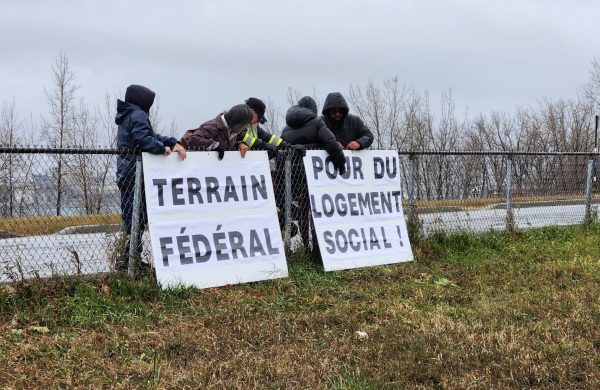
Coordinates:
<point>353,380</point>
<point>473,311</point>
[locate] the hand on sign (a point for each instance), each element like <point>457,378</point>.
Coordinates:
<point>167,151</point>
<point>340,164</point>
<point>299,149</point>
<point>353,145</point>
<point>270,148</point>
<point>221,151</point>
<point>181,150</point>
<point>243,148</point>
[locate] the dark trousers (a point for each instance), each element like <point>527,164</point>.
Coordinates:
<point>127,191</point>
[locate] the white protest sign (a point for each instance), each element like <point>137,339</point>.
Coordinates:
<point>358,217</point>
<point>213,222</point>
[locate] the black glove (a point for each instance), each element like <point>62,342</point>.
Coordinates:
<point>341,166</point>
<point>297,148</point>
<point>221,150</point>
<point>300,149</point>
<point>270,148</point>
<point>272,154</point>
<point>267,146</point>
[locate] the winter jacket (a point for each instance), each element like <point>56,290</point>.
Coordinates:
<point>255,136</point>
<point>305,128</point>
<point>213,130</point>
<point>351,127</point>
<point>135,131</point>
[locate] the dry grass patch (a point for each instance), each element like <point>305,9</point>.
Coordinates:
<point>489,311</point>
<point>34,226</point>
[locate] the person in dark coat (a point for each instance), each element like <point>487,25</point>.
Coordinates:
<point>349,130</point>
<point>219,134</point>
<point>304,127</point>
<point>135,133</point>
<point>257,138</point>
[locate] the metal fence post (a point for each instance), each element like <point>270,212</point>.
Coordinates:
<point>287,200</point>
<point>135,238</point>
<point>588,191</point>
<point>410,184</point>
<point>510,217</point>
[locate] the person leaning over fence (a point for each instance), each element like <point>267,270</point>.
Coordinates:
<point>135,133</point>
<point>304,127</point>
<point>349,130</point>
<point>257,138</point>
<point>219,134</point>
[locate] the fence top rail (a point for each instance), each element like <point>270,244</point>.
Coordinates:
<point>37,150</point>
<point>46,150</point>
<point>492,153</point>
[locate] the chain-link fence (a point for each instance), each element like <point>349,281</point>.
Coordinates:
<point>481,191</point>
<point>60,212</point>
<point>61,209</point>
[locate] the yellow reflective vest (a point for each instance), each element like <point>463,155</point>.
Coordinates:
<point>254,132</point>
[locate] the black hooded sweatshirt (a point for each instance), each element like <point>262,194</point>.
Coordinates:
<point>351,127</point>
<point>305,128</point>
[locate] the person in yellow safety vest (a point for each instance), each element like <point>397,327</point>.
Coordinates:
<point>257,138</point>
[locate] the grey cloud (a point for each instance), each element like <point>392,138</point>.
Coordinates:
<point>202,57</point>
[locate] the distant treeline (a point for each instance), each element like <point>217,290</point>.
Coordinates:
<point>399,116</point>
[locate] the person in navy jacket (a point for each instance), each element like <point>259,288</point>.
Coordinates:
<point>135,133</point>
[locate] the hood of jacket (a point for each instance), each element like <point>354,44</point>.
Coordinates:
<point>298,116</point>
<point>123,110</point>
<point>137,97</point>
<point>335,100</point>
<point>140,96</point>
<point>309,103</point>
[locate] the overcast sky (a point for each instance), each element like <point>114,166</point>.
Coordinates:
<point>204,56</point>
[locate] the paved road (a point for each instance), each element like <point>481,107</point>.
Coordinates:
<point>58,254</point>
<point>495,219</point>
<point>68,254</point>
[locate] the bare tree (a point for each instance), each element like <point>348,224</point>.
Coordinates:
<point>317,100</point>
<point>395,96</point>
<point>293,95</point>
<point>416,122</point>
<point>156,117</point>
<point>273,115</point>
<point>9,128</point>
<point>446,135</point>
<point>173,130</point>
<point>108,162</point>
<point>370,106</point>
<point>106,115</point>
<point>90,172</point>
<point>30,199</point>
<point>82,168</point>
<point>381,109</point>
<point>58,127</point>
<point>591,90</point>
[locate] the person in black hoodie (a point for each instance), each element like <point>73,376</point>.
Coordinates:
<point>304,127</point>
<point>135,133</point>
<point>349,130</point>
